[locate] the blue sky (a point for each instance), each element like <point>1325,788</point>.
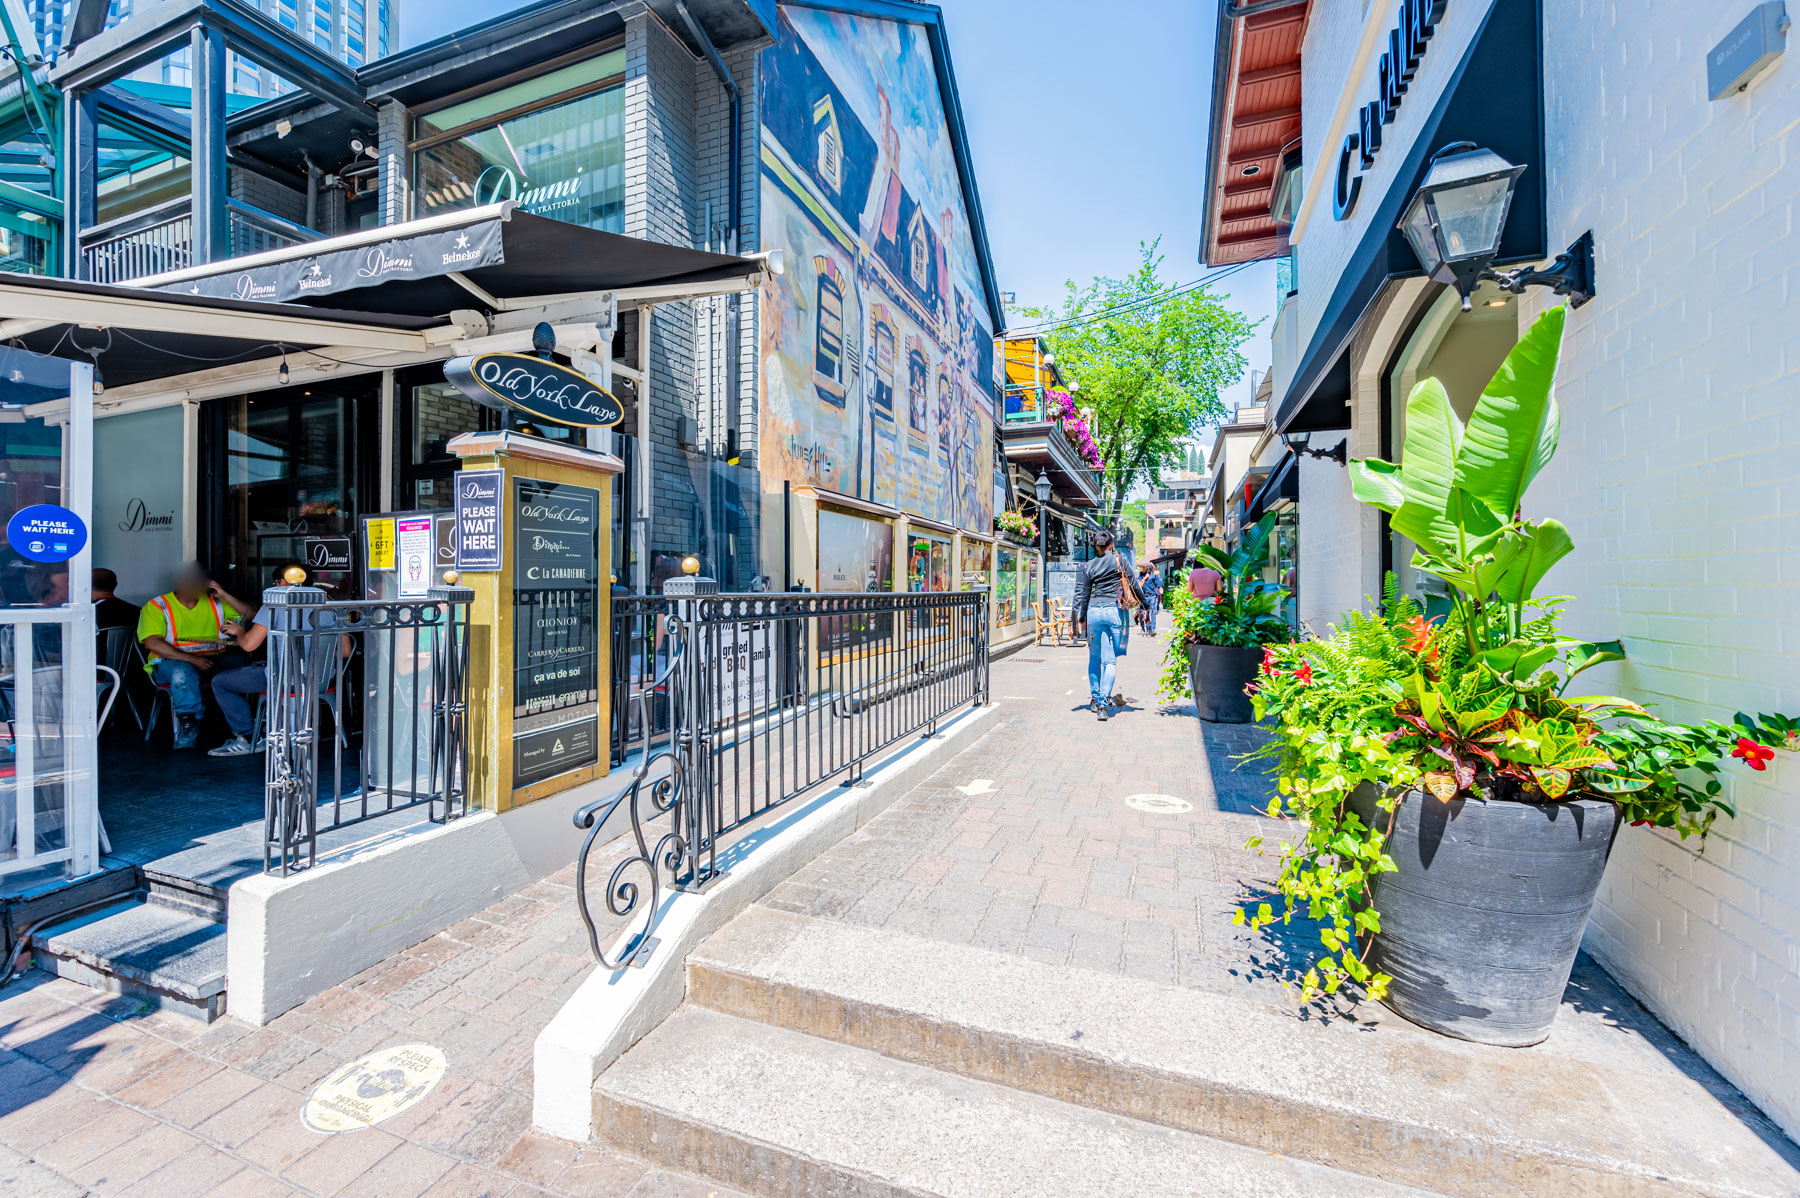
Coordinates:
<point>1088,134</point>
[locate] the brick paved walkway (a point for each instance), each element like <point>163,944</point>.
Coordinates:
<point>99,1095</point>
<point>1026,843</point>
<point>124,1101</point>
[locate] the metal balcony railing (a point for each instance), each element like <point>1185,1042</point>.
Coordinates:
<point>161,239</point>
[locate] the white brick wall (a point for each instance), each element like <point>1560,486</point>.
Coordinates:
<point>1680,394</point>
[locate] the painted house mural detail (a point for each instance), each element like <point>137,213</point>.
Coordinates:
<point>877,351</point>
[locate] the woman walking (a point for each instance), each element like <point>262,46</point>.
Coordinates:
<point>1104,588</point>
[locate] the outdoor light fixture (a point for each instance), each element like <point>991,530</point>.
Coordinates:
<point>1043,487</point>
<point>1455,220</point>
<point>1301,443</point>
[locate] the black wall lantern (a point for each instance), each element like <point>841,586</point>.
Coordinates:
<point>1455,220</point>
<point>1300,443</point>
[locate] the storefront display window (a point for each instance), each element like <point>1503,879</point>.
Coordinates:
<point>1029,581</point>
<point>555,143</point>
<point>1006,588</point>
<point>294,464</point>
<point>855,555</point>
<point>928,564</point>
<point>977,565</point>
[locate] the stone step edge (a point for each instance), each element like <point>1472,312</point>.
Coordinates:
<point>1324,1134</point>
<point>676,1139</point>
<point>53,945</point>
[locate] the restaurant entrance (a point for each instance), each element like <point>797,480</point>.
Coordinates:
<point>285,476</point>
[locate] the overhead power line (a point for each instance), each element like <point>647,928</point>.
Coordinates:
<point>1089,317</point>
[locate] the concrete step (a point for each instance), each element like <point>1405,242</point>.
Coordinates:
<point>143,950</point>
<point>776,1112</point>
<point>186,895</point>
<point>1612,1104</point>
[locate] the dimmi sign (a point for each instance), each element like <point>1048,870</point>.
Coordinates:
<point>1406,47</point>
<point>543,388</point>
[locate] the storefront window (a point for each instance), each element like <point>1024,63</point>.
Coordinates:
<point>554,143</point>
<point>855,555</point>
<point>1006,588</point>
<point>1030,578</point>
<point>977,564</point>
<point>437,412</point>
<point>928,564</point>
<point>293,463</point>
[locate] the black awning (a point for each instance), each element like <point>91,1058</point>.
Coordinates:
<point>405,269</point>
<point>1508,120</point>
<point>1283,482</point>
<point>136,336</point>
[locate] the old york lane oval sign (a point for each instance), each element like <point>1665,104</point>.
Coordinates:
<point>543,388</point>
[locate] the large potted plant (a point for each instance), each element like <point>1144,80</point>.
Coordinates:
<point>1459,801</point>
<point>1217,645</point>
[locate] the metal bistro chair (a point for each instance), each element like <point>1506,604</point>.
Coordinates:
<point>159,695</point>
<point>331,702</point>
<point>120,654</point>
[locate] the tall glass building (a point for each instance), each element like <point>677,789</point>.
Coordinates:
<point>354,31</point>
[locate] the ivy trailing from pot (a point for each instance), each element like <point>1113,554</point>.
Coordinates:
<point>1414,746</point>
<point>1243,617</point>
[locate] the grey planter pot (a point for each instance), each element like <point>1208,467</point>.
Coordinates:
<point>1481,921</point>
<point>1219,676</point>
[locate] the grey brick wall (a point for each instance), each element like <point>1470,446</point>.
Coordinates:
<point>396,167</point>
<point>676,154</point>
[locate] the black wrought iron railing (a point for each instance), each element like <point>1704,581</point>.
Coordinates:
<point>393,677</point>
<point>739,703</point>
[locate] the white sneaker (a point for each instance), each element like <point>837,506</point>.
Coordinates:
<point>237,746</point>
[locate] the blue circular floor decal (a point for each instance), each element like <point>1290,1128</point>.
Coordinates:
<point>44,532</point>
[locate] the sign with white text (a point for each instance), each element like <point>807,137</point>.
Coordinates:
<point>546,389</point>
<point>556,629</point>
<point>478,519</point>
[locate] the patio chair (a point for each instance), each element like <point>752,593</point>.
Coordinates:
<point>120,654</point>
<point>331,702</point>
<point>159,694</point>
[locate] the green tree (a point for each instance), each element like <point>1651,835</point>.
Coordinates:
<point>1151,358</point>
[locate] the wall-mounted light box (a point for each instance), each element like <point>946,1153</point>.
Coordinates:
<point>1758,40</point>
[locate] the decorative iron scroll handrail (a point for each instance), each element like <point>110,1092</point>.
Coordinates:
<point>750,700</point>
<point>671,848</point>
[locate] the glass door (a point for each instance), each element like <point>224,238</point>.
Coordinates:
<point>294,474</point>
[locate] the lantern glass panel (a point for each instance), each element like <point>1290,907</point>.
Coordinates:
<point>1470,217</point>
<point>1420,236</point>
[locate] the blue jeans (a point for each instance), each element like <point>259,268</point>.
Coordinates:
<point>183,681</point>
<point>1106,629</point>
<point>236,691</point>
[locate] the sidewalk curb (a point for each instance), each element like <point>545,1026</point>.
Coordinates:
<point>614,1010</point>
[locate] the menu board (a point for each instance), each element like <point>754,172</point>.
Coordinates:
<point>556,629</point>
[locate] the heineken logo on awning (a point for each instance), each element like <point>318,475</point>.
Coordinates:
<point>543,388</point>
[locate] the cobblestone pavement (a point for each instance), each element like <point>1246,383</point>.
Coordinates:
<point>1030,841</point>
<point>1046,858</point>
<point>125,1101</point>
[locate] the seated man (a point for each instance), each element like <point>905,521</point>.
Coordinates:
<point>110,611</point>
<point>183,632</point>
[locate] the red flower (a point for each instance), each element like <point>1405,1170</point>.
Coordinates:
<point>1639,823</point>
<point>1303,676</point>
<point>1218,598</point>
<point>1420,639</point>
<point>1756,756</point>
<point>1269,659</point>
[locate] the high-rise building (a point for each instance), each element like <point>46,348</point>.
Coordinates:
<point>353,31</point>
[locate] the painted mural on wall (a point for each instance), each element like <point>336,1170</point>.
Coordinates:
<point>877,347</point>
